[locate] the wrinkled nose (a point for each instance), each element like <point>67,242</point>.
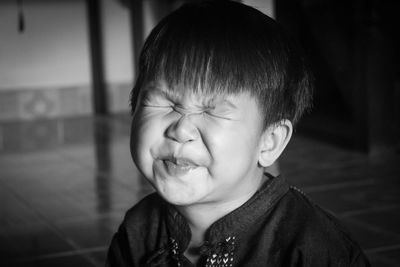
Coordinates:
<point>183,130</point>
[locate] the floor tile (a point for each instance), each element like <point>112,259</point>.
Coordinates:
<point>370,238</point>
<point>31,241</point>
<point>88,233</point>
<point>381,261</point>
<point>389,219</point>
<point>62,261</point>
<point>392,254</point>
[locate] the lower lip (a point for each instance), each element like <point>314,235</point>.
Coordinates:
<point>177,170</point>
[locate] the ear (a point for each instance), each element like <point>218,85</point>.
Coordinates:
<point>273,141</point>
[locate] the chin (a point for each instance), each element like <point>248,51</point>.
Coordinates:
<point>179,196</point>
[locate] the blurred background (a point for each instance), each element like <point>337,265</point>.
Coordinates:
<point>66,71</point>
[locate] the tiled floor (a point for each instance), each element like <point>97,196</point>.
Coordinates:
<point>65,184</point>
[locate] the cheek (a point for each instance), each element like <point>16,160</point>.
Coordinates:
<point>232,148</point>
<point>144,135</point>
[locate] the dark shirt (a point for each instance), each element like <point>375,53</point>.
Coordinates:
<point>278,226</point>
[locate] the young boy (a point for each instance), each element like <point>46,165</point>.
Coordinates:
<point>219,90</point>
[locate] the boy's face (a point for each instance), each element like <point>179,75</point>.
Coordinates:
<point>196,149</point>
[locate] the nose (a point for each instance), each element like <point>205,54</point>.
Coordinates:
<point>183,130</point>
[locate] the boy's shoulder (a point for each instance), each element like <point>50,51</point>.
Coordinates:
<point>313,217</point>
<point>315,230</point>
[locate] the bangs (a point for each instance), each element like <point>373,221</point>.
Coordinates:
<point>193,68</point>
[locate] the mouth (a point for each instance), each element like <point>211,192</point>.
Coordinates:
<point>179,166</point>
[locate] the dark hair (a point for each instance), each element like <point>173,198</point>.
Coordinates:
<point>226,47</point>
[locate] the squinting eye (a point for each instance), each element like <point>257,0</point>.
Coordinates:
<point>154,104</point>
<point>215,115</point>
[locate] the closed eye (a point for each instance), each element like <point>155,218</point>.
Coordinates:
<point>156,106</point>
<point>155,103</point>
<point>216,115</point>
<point>155,99</point>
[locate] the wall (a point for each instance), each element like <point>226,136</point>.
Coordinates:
<point>45,70</point>
<point>53,49</point>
